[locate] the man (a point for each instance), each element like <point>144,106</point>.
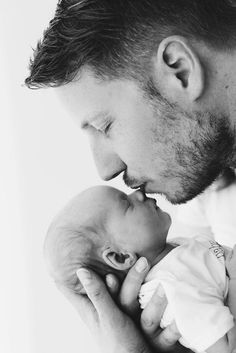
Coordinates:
<point>153,84</point>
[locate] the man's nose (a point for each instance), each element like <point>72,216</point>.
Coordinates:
<point>108,163</point>
<point>138,195</point>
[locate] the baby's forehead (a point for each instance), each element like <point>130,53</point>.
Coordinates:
<point>92,207</point>
<point>102,191</point>
<point>100,195</point>
<point>100,201</point>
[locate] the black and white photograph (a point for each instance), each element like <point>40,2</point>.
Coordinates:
<point>118,176</point>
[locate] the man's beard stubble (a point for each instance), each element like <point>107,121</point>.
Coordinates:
<point>209,152</point>
<point>205,158</point>
<point>210,147</point>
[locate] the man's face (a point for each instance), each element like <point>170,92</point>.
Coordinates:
<point>153,143</point>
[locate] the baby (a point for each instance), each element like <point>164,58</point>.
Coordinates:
<point>106,230</point>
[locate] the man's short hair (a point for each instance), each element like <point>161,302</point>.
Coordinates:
<point>117,38</point>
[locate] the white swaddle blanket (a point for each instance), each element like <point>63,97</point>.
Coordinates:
<point>194,279</point>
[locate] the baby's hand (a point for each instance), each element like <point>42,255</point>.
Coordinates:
<point>230,263</point>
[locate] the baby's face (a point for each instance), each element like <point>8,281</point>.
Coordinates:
<point>134,222</point>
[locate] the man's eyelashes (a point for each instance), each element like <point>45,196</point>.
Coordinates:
<point>107,128</point>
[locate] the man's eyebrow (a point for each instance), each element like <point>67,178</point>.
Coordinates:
<point>92,117</point>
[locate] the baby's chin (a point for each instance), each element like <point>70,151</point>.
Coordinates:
<point>152,253</point>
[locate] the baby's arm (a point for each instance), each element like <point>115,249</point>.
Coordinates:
<point>227,344</point>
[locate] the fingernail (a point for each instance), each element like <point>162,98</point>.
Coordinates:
<point>110,281</point>
<point>141,264</point>
<point>84,276</point>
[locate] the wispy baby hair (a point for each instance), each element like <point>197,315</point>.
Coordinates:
<point>66,250</point>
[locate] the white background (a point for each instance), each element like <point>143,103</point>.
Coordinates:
<point>45,160</point>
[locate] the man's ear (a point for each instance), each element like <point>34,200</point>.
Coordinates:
<point>119,260</point>
<point>178,70</point>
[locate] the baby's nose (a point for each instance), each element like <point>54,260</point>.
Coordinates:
<point>138,195</point>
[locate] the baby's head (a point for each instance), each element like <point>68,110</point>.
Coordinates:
<point>106,230</point>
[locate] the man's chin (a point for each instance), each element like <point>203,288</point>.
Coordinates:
<point>177,197</point>
<point>176,200</point>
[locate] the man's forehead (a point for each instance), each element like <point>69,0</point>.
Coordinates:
<point>84,101</point>
<point>89,100</point>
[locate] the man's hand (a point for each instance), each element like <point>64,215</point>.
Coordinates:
<point>115,331</point>
<point>161,340</point>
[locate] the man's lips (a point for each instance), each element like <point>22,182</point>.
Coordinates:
<point>150,200</point>
<point>138,186</point>
<point>132,182</point>
<point>148,189</point>
<point>145,187</point>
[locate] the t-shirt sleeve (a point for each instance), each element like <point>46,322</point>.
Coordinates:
<point>202,320</point>
<point>196,294</point>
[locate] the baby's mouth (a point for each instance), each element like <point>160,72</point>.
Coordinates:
<point>155,205</point>
<point>154,202</point>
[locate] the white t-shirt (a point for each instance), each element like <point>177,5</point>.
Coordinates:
<point>194,279</point>
<point>212,214</point>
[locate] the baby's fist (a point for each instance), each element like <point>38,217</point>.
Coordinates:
<point>230,263</point>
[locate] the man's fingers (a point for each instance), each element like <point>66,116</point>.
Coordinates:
<point>167,338</point>
<point>131,285</point>
<point>81,303</point>
<point>153,312</point>
<point>97,292</point>
<point>112,284</point>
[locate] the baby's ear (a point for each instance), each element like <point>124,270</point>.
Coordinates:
<point>119,260</point>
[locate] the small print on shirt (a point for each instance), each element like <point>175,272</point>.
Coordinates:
<point>216,249</point>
